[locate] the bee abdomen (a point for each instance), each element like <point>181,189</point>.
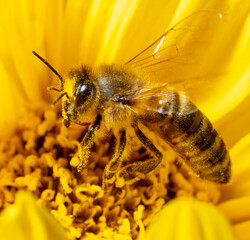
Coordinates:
<point>192,135</point>
<point>211,161</point>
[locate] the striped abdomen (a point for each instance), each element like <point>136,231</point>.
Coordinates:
<point>191,134</point>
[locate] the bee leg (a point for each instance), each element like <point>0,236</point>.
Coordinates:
<point>87,143</point>
<point>140,169</point>
<point>112,167</point>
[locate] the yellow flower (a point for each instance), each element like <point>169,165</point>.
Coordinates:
<point>36,156</point>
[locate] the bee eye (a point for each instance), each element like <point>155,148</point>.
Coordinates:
<point>83,93</point>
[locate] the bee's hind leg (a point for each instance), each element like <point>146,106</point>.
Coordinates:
<point>87,143</point>
<point>139,169</point>
<point>113,166</point>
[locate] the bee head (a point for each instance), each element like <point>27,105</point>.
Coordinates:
<point>77,93</point>
<point>80,98</point>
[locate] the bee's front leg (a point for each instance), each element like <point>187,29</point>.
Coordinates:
<point>139,169</point>
<point>113,166</point>
<point>87,143</point>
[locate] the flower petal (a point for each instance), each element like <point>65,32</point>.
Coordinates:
<point>27,220</point>
<point>223,68</point>
<point>240,186</point>
<point>189,219</point>
<point>230,57</point>
<point>236,210</point>
<point>11,99</point>
<point>242,230</point>
<point>235,124</point>
<point>114,31</point>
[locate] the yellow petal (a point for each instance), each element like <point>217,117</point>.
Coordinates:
<point>236,210</point>
<point>223,69</point>
<point>230,56</point>
<point>114,31</point>
<point>189,219</point>
<point>240,186</point>
<point>11,98</point>
<point>242,230</point>
<point>235,124</point>
<point>25,220</point>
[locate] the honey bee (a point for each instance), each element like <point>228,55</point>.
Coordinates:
<point>119,98</point>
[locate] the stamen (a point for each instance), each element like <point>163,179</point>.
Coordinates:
<point>41,157</point>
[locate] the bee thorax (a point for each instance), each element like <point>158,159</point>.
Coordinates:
<point>118,115</point>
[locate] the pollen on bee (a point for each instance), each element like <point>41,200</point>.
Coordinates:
<point>40,156</point>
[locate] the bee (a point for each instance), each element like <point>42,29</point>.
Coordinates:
<point>120,98</point>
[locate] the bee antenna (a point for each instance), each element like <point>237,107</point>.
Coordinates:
<point>50,67</point>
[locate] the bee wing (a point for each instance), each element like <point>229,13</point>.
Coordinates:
<point>154,99</point>
<point>155,94</point>
<point>177,57</point>
<point>149,93</point>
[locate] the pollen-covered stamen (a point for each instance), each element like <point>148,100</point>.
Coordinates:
<point>43,147</point>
